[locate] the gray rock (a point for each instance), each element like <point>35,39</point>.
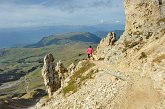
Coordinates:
<point>50,75</point>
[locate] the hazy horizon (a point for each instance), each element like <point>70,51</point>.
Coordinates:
<point>27,21</point>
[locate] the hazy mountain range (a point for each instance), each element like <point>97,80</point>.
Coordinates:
<point>67,38</point>
<point>16,37</point>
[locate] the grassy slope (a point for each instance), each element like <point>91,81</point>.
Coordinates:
<point>26,58</point>
<point>67,38</point>
<point>73,84</point>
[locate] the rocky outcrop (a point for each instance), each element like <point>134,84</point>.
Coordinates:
<point>71,69</point>
<point>79,65</point>
<point>143,22</point>
<point>104,44</point>
<point>143,27</point>
<point>142,16</point>
<point>142,42</point>
<point>50,75</point>
<point>62,71</point>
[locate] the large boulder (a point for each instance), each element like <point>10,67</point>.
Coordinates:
<point>50,75</point>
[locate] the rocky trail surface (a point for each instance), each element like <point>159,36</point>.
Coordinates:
<point>111,70</point>
<point>110,89</point>
<point>140,92</point>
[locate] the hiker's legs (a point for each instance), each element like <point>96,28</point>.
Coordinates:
<point>91,56</point>
<point>88,56</point>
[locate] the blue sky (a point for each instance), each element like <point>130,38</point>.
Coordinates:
<point>36,13</point>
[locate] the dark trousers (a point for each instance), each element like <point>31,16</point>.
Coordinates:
<point>89,55</point>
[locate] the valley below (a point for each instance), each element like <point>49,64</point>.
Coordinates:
<point>20,70</point>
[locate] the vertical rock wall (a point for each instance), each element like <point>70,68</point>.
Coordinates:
<point>142,15</point>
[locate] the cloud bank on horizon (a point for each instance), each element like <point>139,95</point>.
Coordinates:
<point>36,13</point>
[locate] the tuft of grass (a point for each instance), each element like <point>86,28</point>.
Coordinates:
<point>78,78</point>
<point>143,55</point>
<point>130,44</point>
<point>161,20</point>
<point>159,59</point>
<point>88,76</point>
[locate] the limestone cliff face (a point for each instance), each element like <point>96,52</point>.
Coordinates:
<point>142,46</point>
<point>143,19</point>
<point>142,15</point>
<point>140,54</point>
<point>144,25</point>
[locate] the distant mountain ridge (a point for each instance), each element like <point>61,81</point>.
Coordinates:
<point>67,38</point>
<point>19,37</point>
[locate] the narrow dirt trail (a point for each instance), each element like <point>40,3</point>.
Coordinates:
<point>111,70</point>
<point>140,92</point>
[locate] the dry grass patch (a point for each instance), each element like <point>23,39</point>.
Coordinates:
<point>161,20</point>
<point>159,58</point>
<point>78,78</point>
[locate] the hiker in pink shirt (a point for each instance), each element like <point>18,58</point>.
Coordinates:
<point>89,52</point>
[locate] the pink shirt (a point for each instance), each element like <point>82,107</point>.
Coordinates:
<point>90,51</point>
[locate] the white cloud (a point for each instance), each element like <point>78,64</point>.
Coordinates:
<point>101,21</point>
<point>117,21</point>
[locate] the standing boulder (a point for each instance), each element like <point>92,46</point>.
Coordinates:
<point>112,38</point>
<point>62,71</point>
<point>50,75</point>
